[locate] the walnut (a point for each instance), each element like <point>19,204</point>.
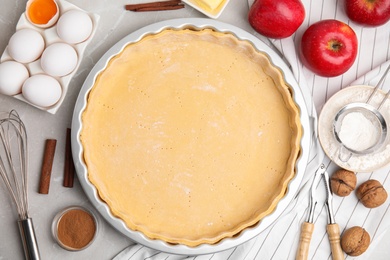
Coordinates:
<point>355,241</point>
<point>371,193</point>
<point>343,182</point>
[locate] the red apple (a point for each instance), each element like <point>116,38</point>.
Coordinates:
<point>276,18</point>
<point>329,48</point>
<point>368,12</point>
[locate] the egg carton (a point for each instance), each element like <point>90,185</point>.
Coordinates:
<point>50,36</point>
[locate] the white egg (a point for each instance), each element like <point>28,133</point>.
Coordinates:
<point>42,90</point>
<point>26,45</point>
<point>74,26</point>
<point>59,59</point>
<point>12,76</point>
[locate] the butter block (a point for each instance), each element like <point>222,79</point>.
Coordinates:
<point>211,4</point>
<point>211,8</point>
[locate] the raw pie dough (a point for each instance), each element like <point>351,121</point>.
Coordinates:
<point>190,136</point>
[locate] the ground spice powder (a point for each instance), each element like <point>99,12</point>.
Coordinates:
<point>76,229</point>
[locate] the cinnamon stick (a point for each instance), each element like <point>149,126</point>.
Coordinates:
<point>69,169</point>
<point>47,165</point>
<point>159,8</point>
<point>155,6</point>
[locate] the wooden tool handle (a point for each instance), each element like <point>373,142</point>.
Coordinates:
<point>334,240</point>
<point>304,241</point>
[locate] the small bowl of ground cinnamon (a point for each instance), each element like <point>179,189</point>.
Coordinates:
<point>75,228</point>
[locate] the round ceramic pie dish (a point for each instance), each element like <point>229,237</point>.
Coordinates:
<point>95,195</point>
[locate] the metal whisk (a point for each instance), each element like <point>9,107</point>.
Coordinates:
<point>13,171</point>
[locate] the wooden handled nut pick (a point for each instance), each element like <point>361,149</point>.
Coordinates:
<point>308,226</point>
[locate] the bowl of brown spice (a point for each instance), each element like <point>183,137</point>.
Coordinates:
<point>75,228</point>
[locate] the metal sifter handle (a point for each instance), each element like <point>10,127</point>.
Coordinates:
<point>29,240</point>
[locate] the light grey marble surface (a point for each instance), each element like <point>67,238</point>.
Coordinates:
<point>114,24</point>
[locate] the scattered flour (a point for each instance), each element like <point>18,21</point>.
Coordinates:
<point>357,163</point>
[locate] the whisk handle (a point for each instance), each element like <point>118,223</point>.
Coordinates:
<point>29,240</point>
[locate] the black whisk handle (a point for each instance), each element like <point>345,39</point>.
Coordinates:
<point>27,233</point>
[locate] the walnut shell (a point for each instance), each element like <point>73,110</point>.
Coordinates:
<point>343,182</point>
<point>371,193</point>
<point>355,241</point>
